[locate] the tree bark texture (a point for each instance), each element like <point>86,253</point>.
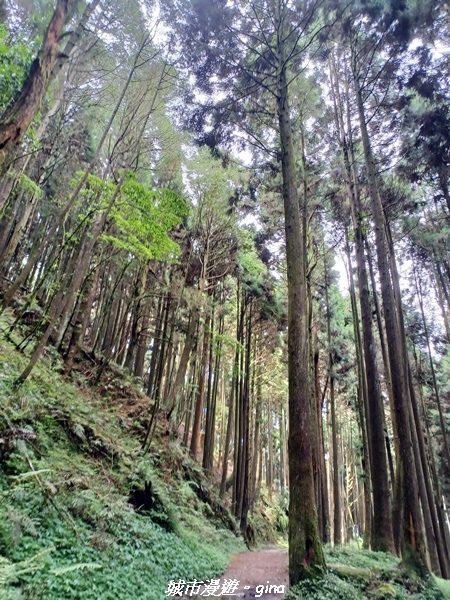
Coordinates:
<point>21,113</point>
<point>305,551</point>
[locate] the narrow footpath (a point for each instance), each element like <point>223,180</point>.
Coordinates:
<point>261,574</point>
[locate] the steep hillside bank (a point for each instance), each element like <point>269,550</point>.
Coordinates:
<point>84,513</point>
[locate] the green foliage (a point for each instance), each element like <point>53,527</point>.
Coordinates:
<point>269,521</point>
<point>444,587</point>
<point>10,572</point>
<point>97,192</point>
<point>28,185</point>
<point>15,61</point>
<point>3,34</point>
<point>357,574</point>
<point>143,218</point>
<point>329,587</point>
<point>256,278</point>
<point>353,556</point>
<point>69,460</point>
<point>252,269</point>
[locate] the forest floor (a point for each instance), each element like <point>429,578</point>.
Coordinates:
<point>85,513</point>
<point>352,574</point>
<point>259,572</point>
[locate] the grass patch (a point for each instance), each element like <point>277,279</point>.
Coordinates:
<point>444,586</point>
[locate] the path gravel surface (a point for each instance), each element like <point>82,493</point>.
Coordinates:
<point>259,574</point>
<point>256,572</point>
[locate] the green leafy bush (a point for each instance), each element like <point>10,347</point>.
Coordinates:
<point>357,574</point>
<point>329,587</point>
<point>15,61</point>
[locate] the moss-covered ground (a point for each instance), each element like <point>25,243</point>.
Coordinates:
<point>357,574</point>
<point>84,512</point>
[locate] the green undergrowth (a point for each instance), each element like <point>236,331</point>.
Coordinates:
<point>269,521</point>
<point>84,513</point>
<point>355,574</point>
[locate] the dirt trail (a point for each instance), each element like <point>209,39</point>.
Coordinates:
<point>256,572</point>
<point>260,574</point>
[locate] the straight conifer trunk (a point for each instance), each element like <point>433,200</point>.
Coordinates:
<point>337,516</point>
<point>382,533</point>
<point>362,409</point>
<point>195,439</point>
<point>412,542</point>
<point>305,550</point>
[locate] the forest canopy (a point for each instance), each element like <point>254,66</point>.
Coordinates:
<point>245,207</point>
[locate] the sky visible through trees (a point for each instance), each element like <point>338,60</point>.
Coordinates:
<point>245,206</point>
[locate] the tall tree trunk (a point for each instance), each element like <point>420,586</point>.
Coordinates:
<point>413,546</point>
<point>192,378</point>
<point>256,463</point>
<point>243,499</point>
<point>363,410</point>
<point>337,514</point>
<point>209,392</point>
<point>232,411</point>
<point>228,435</point>
<point>143,339</point>
<point>20,114</point>
<point>382,532</point>
<point>184,360</point>
<point>157,340</point>
<point>305,550</point>
<point>269,472</point>
<point>324,519</point>
<point>210,430</point>
<point>81,321</point>
<point>238,425</point>
<point>196,426</point>
<point>162,353</point>
<point>60,218</point>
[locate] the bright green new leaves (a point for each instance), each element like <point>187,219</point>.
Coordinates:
<point>143,217</point>
<point>28,185</point>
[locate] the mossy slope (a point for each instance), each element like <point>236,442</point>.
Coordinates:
<point>71,468</point>
<point>357,574</point>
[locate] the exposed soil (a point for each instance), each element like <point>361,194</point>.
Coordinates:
<point>256,572</point>
<point>260,574</point>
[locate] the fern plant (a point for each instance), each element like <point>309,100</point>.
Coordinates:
<point>10,572</point>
